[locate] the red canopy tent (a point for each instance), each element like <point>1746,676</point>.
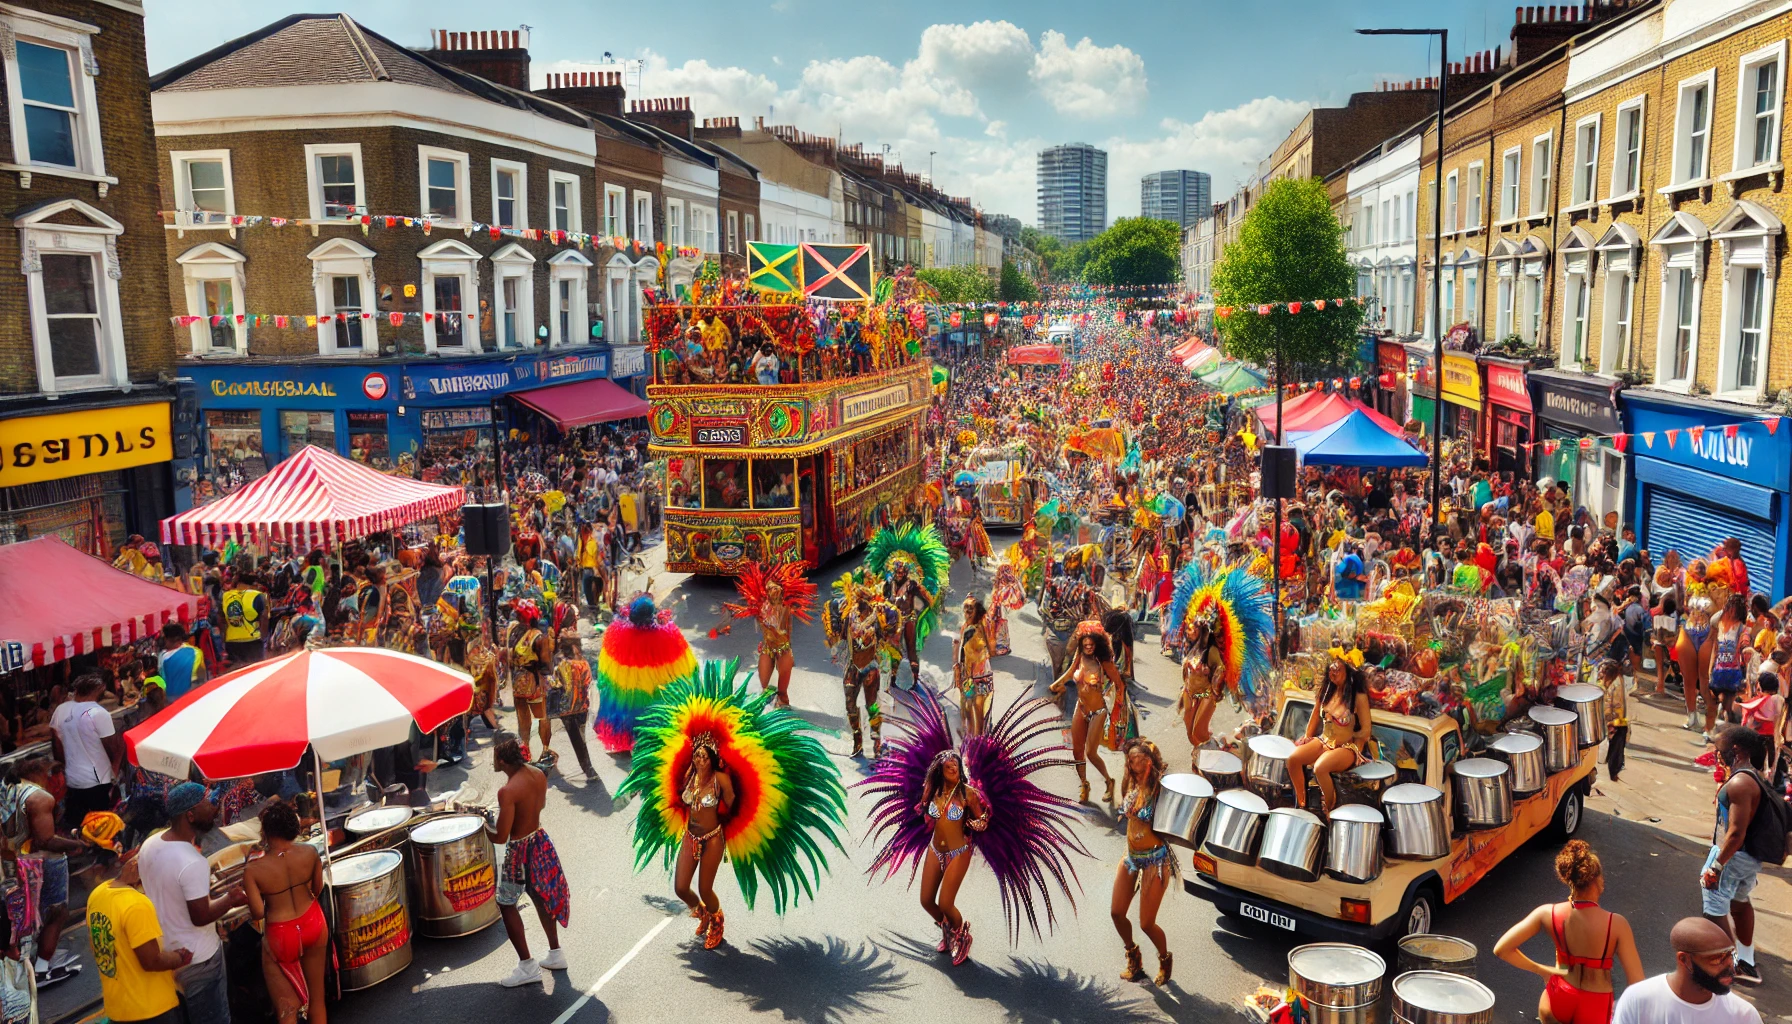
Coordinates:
<point>1317,409</point>
<point>1193,346</point>
<point>584,403</point>
<point>1035,355</point>
<point>80,603</point>
<point>315,497</point>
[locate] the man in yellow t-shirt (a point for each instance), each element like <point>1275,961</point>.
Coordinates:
<point>1545,525</point>
<point>136,972</point>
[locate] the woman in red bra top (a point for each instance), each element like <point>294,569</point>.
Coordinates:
<point>1588,941</point>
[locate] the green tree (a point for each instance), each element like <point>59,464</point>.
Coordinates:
<point>1135,251</point>
<point>1290,248</point>
<point>960,284</point>
<point>1015,287</point>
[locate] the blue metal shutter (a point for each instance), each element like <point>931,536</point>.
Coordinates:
<point>1676,521</point>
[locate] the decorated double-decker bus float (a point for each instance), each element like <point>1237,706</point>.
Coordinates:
<point>788,409</point>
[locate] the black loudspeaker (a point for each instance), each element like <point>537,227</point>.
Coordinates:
<point>487,528</point>
<point>185,420</point>
<point>1277,479</point>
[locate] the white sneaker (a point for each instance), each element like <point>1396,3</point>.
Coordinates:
<point>527,971</point>
<point>555,960</point>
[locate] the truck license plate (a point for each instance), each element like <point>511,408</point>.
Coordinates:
<point>1266,916</point>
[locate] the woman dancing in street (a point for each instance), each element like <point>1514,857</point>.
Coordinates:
<point>774,600</point>
<point>1097,681</point>
<point>1149,865</point>
<point>1203,673</point>
<point>1337,734</point>
<point>950,806</point>
<point>1578,987</point>
<point>707,794</point>
<point>976,679</point>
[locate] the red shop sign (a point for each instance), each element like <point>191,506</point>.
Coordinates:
<point>1390,356</point>
<point>1505,385</point>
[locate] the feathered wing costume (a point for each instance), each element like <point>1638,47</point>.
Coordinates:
<point>1031,832</point>
<point>928,562</point>
<point>1238,608</point>
<point>752,585</point>
<point>789,801</point>
<point>643,650</point>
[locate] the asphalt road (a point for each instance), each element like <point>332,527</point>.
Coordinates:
<point>864,948</point>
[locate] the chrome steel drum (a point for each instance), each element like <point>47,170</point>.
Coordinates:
<point>373,820</point>
<point>1588,704</point>
<point>1439,997</point>
<point>1235,825</point>
<point>372,919</point>
<point>1432,952</point>
<point>1181,809</point>
<point>1483,792</point>
<point>1291,842</point>
<point>1417,825</point>
<point>1223,770</point>
<point>1353,843</point>
<point>1266,769</point>
<point>1365,783</point>
<point>1523,753</point>
<point>454,876</point>
<point>1561,746</point>
<point>1340,982</point>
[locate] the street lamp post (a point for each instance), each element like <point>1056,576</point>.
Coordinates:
<point>1437,266</point>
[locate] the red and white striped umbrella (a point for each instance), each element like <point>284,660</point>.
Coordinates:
<point>343,701</point>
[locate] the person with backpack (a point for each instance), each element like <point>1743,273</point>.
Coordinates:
<point>1750,832</point>
<point>245,621</point>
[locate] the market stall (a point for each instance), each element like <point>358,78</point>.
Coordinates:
<point>1356,440</point>
<point>1035,355</point>
<point>1317,409</point>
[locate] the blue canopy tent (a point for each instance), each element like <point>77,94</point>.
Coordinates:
<point>1355,440</point>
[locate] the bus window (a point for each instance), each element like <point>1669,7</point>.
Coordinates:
<point>774,483</point>
<point>724,483</point>
<point>684,491</point>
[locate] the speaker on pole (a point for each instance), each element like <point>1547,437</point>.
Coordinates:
<point>487,528</point>
<point>1278,479</point>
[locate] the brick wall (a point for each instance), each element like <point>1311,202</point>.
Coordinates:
<point>130,155</point>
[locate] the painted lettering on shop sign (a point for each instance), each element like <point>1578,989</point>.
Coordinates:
<point>573,365</point>
<point>869,403</point>
<point>273,389</point>
<point>731,434</point>
<point>38,448</point>
<point>1714,446</point>
<point>1584,411</point>
<point>468,383</point>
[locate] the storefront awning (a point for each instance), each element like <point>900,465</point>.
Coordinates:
<point>79,603</point>
<point>584,403</point>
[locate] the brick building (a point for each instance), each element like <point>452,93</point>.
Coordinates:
<point>86,350</point>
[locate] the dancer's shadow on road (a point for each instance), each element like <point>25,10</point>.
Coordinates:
<point>811,981</point>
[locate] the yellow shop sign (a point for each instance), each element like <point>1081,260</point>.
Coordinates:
<point>1462,379</point>
<point>64,444</point>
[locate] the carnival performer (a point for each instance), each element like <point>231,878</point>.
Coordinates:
<point>936,800</point>
<point>1225,621</point>
<point>531,864</point>
<point>913,563</point>
<point>1203,675</point>
<point>1065,600</point>
<point>866,625</point>
<point>972,675</point>
<point>642,651</point>
<point>1098,684</point>
<point>1337,734</point>
<point>531,649</point>
<point>1149,867</point>
<point>773,599</point>
<point>719,770</point>
<point>1006,596</point>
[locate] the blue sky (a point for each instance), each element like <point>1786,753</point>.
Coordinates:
<point>1161,84</point>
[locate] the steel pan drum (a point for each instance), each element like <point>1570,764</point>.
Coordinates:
<point>1523,753</point>
<point>1353,844</point>
<point>1181,809</point>
<point>1483,792</point>
<point>374,820</point>
<point>1340,982</point>
<point>1439,997</point>
<point>1418,829</point>
<point>454,876</point>
<point>1365,783</point>
<point>1561,745</point>
<point>1224,770</point>
<point>1432,952</point>
<point>1588,704</point>
<point>1235,826</point>
<point>373,917</point>
<point>1266,769</point>
<point>1291,842</point>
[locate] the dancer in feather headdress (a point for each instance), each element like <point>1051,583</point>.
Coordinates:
<point>718,769</point>
<point>1227,622</point>
<point>642,651</point>
<point>773,599</point>
<point>913,563</point>
<point>935,801</point>
<point>1090,666</point>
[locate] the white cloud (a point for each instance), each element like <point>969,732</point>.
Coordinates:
<point>1227,144</point>
<point>1087,80</point>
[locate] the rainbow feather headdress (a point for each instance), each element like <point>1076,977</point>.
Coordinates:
<point>1238,609</point>
<point>642,651</point>
<point>928,561</point>
<point>789,802</point>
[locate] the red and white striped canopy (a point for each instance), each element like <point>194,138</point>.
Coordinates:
<point>343,701</point>
<point>56,603</point>
<point>314,497</point>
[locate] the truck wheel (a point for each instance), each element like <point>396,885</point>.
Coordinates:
<point>1420,913</point>
<point>1568,815</point>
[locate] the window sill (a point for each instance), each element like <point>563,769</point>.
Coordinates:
<point>1775,173</point>
<point>1676,189</point>
<point>27,171</point>
<point>1584,207</point>
<point>1507,223</point>
<point>1678,387</point>
<point>180,230</point>
<point>1747,396</point>
<point>1537,217</point>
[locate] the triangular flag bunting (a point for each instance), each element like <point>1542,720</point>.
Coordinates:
<point>1673,436</point>
<point>1649,438</point>
<point>1619,441</point>
<point>1696,434</point>
<point>1773,424</point>
<point>1730,429</point>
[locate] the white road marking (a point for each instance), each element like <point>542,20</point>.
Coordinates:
<point>614,970</point>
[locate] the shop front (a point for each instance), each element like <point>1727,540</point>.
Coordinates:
<point>628,368</point>
<point>1577,418</point>
<point>1460,380</point>
<point>1421,386</point>
<point>1390,380</point>
<point>1510,421</point>
<point>1708,471</point>
<point>90,476</point>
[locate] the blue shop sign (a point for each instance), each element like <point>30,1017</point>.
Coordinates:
<point>459,382</point>
<point>566,369</point>
<point>1754,455</point>
<point>291,385</point>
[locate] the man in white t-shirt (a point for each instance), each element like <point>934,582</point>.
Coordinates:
<point>84,739</point>
<point>1698,992</point>
<point>177,880</point>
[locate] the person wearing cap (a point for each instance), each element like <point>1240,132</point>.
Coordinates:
<point>136,965</point>
<point>177,880</point>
